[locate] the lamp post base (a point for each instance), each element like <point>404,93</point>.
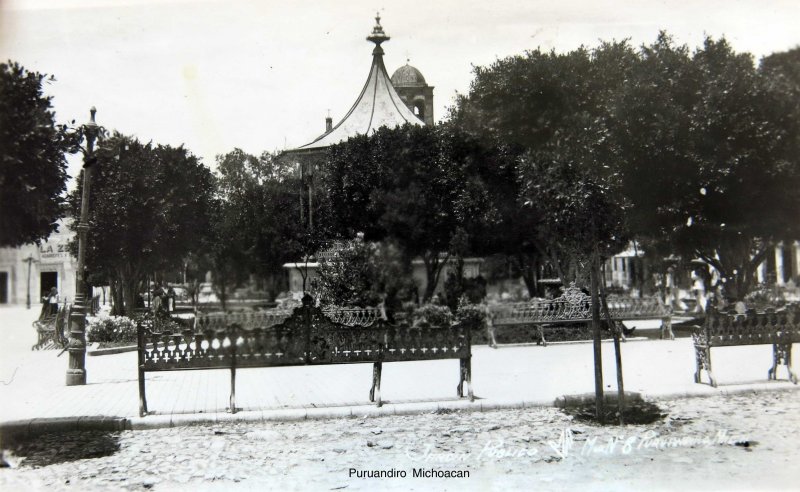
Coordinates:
<point>76,371</point>
<point>76,377</point>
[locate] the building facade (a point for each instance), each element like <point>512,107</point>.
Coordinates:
<point>30,271</point>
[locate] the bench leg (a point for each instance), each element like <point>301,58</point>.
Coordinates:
<point>703,359</point>
<point>465,376</point>
<point>782,354</point>
<point>233,390</point>
<point>142,396</point>
<point>375,391</point>
<point>666,329</point>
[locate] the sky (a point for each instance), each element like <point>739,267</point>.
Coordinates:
<point>215,75</point>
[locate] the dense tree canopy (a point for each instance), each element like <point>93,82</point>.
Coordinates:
<point>550,111</point>
<point>709,149</point>
<point>417,185</point>
<point>32,162</point>
<point>149,208</point>
<point>257,226</point>
<point>696,151</point>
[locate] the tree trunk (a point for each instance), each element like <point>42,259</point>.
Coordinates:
<point>529,268</point>
<point>433,268</point>
<point>129,284</point>
<point>736,266</point>
<point>598,356</point>
<point>117,302</point>
<point>617,352</point>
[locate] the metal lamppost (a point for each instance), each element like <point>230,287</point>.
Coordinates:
<point>29,260</point>
<point>76,373</point>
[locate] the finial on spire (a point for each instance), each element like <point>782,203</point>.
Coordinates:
<point>377,35</point>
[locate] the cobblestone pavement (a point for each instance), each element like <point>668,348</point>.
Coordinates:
<point>716,443</point>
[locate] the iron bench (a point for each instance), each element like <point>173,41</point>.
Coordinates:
<point>779,329</point>
<point>575,307</point>
<point>51,330</point>
<point>305,336</point>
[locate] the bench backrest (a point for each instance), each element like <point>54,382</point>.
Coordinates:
<point>575,306</point>
<point>626,307</point>
<point>354,316</point>
<point>751,328</point>
<point>244,319</point>
<point>305,336</point>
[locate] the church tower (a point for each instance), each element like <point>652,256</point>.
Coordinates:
<point>414,91</point>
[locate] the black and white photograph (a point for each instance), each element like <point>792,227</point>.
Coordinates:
<point>429,246</point>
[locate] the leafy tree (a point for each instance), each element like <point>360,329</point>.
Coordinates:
<point>235,221</point>
<point>260,216</point>
<point>225,248</point>
<point>33,169</point>
<point>149,208</point>
<point>552,112</point>
<point>416,185</point>
<point>538,108</point>
<point>709,149</point>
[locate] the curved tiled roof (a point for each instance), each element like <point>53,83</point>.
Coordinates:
<point>377,105</point>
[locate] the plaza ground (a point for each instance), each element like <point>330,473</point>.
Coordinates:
<point>287,437</point>
<point>739,442</point>
<point>33,388</point>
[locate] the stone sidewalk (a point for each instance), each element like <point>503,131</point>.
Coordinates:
<point>35,398</point>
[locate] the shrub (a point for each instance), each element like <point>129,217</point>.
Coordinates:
<point>433,316</point>
<point>349,276</point>
<point>111,329</point>
<point>456,287</point>
<point>764,296</point>
<point>472,315</point>
<point>359,273</point>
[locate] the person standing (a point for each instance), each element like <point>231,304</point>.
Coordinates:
<point>157,304</point>
<point>50,303</point>
<point>170,300</point>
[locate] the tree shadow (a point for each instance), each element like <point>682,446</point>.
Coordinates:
<point>50,449</point>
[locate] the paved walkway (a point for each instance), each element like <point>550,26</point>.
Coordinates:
<point>33,392</point>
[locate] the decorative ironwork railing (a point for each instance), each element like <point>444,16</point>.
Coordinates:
<point>247,320</point>
<point>780,329</point>
<point>573,306</point>
<point>354,316</point>
<point>303,336</point>
<point>333,250</point>
<point>751,328</point>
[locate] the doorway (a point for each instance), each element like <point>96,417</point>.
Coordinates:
<point>3,287</point>
<point>47,280</point>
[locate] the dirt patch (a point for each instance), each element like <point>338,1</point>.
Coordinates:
<point>636,413</point>
<point>50,449</point>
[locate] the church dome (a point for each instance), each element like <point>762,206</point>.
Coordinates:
<point>407,76</point>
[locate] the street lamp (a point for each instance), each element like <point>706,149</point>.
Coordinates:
<point>76,373</point>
